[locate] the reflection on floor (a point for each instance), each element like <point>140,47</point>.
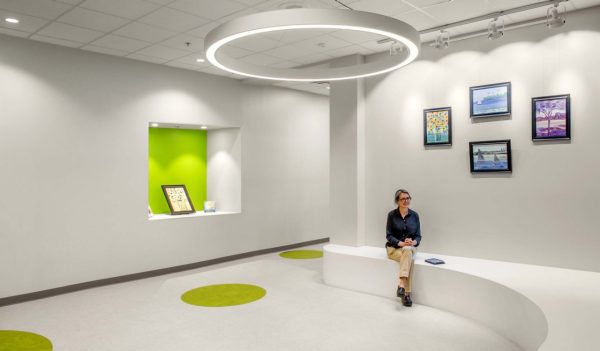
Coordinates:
<point>299,312</point>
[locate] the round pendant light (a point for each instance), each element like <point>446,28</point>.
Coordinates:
<point>298,19</point>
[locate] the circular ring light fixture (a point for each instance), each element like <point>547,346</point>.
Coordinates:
<point>290,19</point>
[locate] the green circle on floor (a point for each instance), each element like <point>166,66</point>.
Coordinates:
<point>302,254</point>
<point>222,295</point>
<point>15,340</point>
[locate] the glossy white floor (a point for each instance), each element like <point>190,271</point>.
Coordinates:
<point>299,312</point>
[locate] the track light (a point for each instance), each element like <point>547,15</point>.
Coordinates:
<point>496,28</point>
<point>396,48</point>
<point>443,40</point>
<point>555,16</point>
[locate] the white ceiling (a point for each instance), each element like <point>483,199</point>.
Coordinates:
<point>171,32</point>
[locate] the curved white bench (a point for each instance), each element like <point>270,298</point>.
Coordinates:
<point>536,307</point>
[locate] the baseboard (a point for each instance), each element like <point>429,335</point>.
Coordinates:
<point>11,300</point>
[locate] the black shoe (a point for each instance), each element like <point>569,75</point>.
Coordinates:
<point>406,300</point>
<point>400,292</point>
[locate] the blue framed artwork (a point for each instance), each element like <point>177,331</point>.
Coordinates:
<point>490,100</point>
<point>490,156</point>
<point>437,124</point>
<point>551,117</point>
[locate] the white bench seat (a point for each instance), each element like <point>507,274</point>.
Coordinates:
<point>537,307</point>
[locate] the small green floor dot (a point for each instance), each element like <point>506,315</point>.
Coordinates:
<point>223,295</point>
<point>302,254</point>
<point>15,340</point>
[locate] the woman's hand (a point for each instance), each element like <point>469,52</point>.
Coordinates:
<point>407,242</point>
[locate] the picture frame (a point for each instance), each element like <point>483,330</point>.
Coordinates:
<point>490,100</point>
<point>551,117</point>
<point>437,126</point>
<point>490,156</point>
<point>210,206</point>
<point>178,199</point>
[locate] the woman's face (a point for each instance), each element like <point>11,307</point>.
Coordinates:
<point>404,200</point>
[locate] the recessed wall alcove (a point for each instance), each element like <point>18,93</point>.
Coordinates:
<point>206,159</point>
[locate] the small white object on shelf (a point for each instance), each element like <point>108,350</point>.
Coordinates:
<point>210,206</point>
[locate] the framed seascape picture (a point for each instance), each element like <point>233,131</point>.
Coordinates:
<point>437,124</point>
<point>490,156</point>
<point>551,117</point>
<point>178,199</point>
<point>490,100</point>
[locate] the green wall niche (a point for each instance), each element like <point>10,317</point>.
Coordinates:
<point>176,156</point>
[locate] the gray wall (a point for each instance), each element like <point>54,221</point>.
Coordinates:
<point>74,153</point>
<point>545,212</point>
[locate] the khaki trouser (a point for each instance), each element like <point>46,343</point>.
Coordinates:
<point>404,256</point>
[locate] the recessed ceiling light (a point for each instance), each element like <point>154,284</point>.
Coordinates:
<point>200,60</point>
<point>153,124</point>
<point>11,20</point>
<point>203,127</point>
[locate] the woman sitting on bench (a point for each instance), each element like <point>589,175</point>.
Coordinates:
<point>403,233</point>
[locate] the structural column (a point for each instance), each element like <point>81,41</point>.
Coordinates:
<point>347,158</point>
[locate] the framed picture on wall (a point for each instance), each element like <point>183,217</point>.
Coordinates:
<point>437,124</point>
<point>178,199</point>
<point>551,117</point>
<point>490,156</point>
<point>490,100</point>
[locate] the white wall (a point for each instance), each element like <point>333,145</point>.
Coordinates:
<point>224,169</point>
<point>545,212</point>
<point>74,153</point>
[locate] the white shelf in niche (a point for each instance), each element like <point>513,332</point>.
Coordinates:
<point>159,217</point>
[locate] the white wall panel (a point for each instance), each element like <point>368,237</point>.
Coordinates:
<point>74,154</point>
<point>545,211</point>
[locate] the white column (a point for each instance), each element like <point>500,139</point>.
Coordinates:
<point>347,158</point>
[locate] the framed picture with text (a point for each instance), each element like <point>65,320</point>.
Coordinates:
<point>490,156</point>
<point>551,117</point>
<point>178,199</point>
<point>437,124</point>
<point>490,100</point>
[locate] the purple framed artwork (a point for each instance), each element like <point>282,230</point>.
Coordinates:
<point>551,117</point>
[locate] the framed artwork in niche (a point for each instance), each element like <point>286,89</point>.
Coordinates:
<point>437,124</point>
<point>490,156</point>
<point>178,199</point>
<point>490,100</point>
<point>551,117</point>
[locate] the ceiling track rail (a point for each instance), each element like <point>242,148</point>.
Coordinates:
<point>492,15</point>
<point>479,33</point>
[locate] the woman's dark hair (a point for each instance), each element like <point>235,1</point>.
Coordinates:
<point>398,192</point>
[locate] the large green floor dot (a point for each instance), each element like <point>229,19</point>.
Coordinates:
<point>222,295</point>
<point>302,254</point>
<point>14,340</point>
